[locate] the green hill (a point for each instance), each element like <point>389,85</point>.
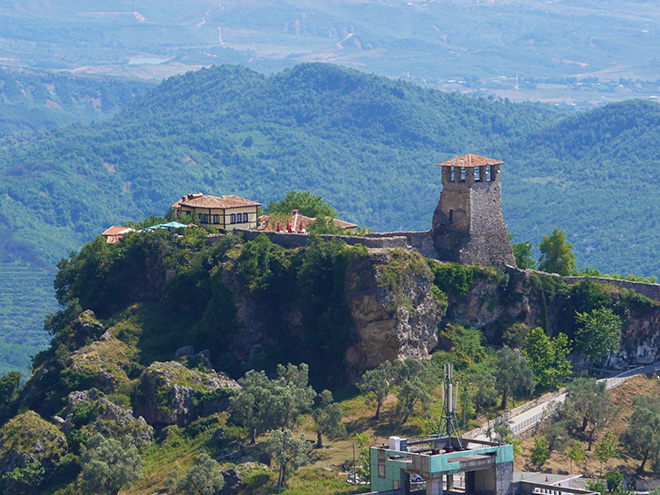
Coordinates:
<point>32,100</point>
<point>592,175</point>
<point>367,144</point>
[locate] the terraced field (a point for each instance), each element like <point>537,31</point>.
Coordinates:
<point>26,295</point>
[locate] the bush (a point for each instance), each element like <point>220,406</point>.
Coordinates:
<point>452,278</point>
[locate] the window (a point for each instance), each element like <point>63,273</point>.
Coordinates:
<point>453,174</point>
<point>206,218</point>
<point>232,218</point>
<point>216,218</point>
<point>381,470</point>
<point>489,173</point>
<point>463,174</point>
<point>245,218</point>
<point>451,216</point>
<point>477,174</point>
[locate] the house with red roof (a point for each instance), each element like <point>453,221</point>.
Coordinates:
<point>116,234</point>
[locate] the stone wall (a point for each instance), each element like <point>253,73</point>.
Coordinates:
<point>292,241</point>
<point>422,242</point>
<point>652,291</point>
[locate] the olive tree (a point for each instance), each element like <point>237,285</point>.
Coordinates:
<point>288,453</point>
<point>203,478</point>
<point>109,465</point>
<point>643,434</point>
<point>327,416</point>
<point>376,384</point>
<point>513,375</point>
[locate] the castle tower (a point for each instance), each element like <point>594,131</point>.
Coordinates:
<point>468,226</point>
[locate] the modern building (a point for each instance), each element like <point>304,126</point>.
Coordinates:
<point>487,467</point>
<point>225,212</point>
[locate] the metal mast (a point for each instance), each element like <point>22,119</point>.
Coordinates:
<point>449,393</point>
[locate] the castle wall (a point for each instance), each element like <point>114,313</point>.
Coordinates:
<point>292,241</point>
<point>422,242</point>
<point>652,291</point>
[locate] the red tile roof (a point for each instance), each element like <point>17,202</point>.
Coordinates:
<point>468,161</point>
<point>224,202</point>
<point>297,223</point>
<point>117,231</point>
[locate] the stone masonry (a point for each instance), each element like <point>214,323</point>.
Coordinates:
<point>468,226</point>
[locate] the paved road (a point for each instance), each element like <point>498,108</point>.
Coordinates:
<point>530,418</point>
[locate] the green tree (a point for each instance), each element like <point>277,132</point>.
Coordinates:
<point>264,404</point>
<point>325,226</point>
<point>305,202</point>
<point>376,384</point>
<point>479,386</point>
<point>327,416</point>
<point>109,465</point>
<point>598,334</point>
<point>613,479</point>
<point>513,375</point>
<point>203,478</point>
<point>501,433</point>
<point>576,453</point>
<point>523,255</point>
<point>588,407</point>
<point>516,335</point>
<point>547,358</point>
<point>606,449</point>
<point>539,453</point>
<point>363,469</point>
<point>556,435</point>
<point>25,479</point>
<point>260,262</point>
<point>413,387</point>
<point>556,255</point>
<point>9,387</point>
<point>643,434</point>
<point>288,453</point>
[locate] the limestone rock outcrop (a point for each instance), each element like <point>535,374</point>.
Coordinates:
<point>102,363</point>
<point>395,313</point>
<point>28,438</point>
<point>171,394</point>
<point>91,412</point>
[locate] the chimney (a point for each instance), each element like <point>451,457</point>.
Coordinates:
<point>295,219</point>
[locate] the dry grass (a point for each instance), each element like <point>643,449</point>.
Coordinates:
<point>627,465</point>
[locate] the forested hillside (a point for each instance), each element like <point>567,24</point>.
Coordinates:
<point>367,144</point>
<point>31,100</point>
<point>593,175</point>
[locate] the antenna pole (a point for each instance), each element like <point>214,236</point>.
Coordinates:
<point>449,393</point>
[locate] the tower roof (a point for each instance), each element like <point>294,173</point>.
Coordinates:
<point>468,161</point>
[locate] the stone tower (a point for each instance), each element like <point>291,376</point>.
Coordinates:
<point>468,226</point>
